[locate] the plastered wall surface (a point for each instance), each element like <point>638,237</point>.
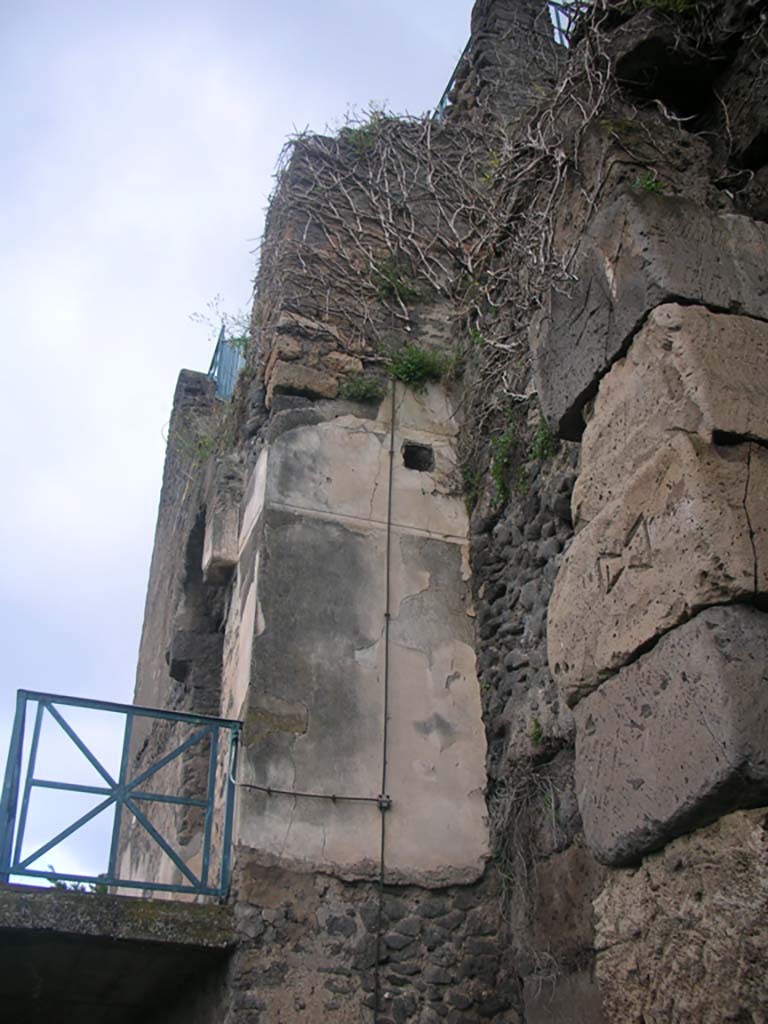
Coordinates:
<point>307,654</point>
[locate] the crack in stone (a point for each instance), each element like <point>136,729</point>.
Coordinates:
<point>288,829</point>
<point>373,498</point>
<point>666,300</point>
<point>749,521</point>
<point>649,644</point>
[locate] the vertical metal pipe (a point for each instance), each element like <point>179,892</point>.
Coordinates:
<point>388,590</point>
<point>385,728</point>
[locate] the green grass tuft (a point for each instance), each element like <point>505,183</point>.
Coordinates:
<point>416,367</point>
<point>359,388</point>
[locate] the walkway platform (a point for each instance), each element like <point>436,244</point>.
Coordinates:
<point>99,959</point>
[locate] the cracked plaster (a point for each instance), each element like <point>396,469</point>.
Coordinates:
<point>313,548</point>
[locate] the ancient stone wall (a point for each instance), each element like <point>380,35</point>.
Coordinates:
<point>641,623</point>
<point>611,450</point>
<point>180,656</point>
<point>317,948</point>
<point>653,358</point>
<point>511,57</point>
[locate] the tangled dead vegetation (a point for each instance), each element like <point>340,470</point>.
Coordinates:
<point>396,220</point>
<point>523,809</point>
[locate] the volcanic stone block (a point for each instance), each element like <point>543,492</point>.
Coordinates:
<point>688,369</point>
<point>564,998</point>
<point>756,503</point>
<point>641,251</point>
<point>195,650</point>
<point>744,98</point>
<point>285,349</point>
<point>683,939</point>
<point>222,523</point>
<point>342,362</point>
<point>566,882</point>
<point>297,379</point>
<point>676,738</point>
<point>676,539</point>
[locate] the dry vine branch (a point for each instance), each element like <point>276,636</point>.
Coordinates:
<point>371,229</point>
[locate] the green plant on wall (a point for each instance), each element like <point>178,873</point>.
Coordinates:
<point>360,388</point>
<point>648,182</point>
<point>470,481</point>
<point>544,444</point>
<point>416,367</point>
<point>96,888</point>
<point>535,731</point>
<point>194,444</point>
<point>490,175</point>
<point>239,344</point>
<point>195,439</point>
<point>502,449</point>
<point>392,280</point>
<point>362,131</point>
<point>237,326</point>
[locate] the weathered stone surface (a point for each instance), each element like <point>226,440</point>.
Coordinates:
<point>639,45</point>
<point>744,99</point>
<point>344,466</point>
<point>675,540</point>
<point>566,884</point>
<point>688,370</point>
<point>685,937</point>
<point>677,738</point>
<point>222,522</point>
<point>284,348</point>
<point>316,935</point>
<point>174,668</point>
<point>189,647</point>
<point>641,251</point>
<point>297,379</point>
<point>291,322</point>
<point>340,362</point>
<point>569,999</point>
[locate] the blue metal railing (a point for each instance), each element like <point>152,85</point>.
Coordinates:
<point>226,364</point>
<point>445,99</point>
<point>125,792</point>
<point>563,16</point>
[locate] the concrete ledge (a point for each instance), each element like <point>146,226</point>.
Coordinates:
<point>208,926</point>
<point>93,959</point>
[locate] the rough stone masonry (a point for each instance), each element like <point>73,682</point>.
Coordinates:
<point>557,679</point>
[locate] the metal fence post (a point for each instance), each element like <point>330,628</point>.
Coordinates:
<point>10,796</point>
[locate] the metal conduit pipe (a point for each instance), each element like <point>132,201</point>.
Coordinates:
<point>385,727</point>
<point>383,800</point>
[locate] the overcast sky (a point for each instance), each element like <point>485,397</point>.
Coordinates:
<point>138,143</point>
